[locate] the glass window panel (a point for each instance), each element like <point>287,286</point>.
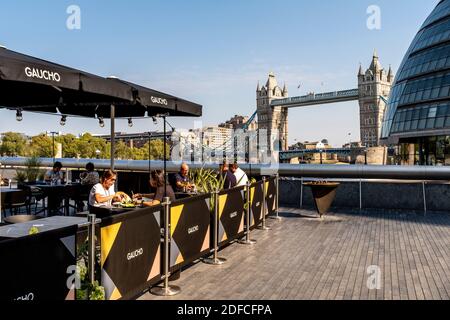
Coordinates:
<point>442,110</point>
<point>407,126</point>
<point>432,112</point>
<point>435,93</point>
<point>422,123</point>
<point>447,122</point>
<point>426,95</point>
<point>424,113</point>
<point>401,126</point>
<point>430,123</point>
<point>414,124</point>
<point>439,122</point>
<point>409,115</point>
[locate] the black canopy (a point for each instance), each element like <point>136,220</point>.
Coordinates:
<point>36,85</point>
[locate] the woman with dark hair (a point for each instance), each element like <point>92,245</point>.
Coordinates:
<point>157,182</point>
<point>103,194</point>
<point>89,176</point>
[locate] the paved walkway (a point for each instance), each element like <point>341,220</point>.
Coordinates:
<point>304,258</point>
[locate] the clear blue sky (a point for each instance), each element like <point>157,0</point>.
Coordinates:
<point>214,52</point>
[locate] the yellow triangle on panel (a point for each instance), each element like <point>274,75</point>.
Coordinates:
<point>222,201</point>
<point>206,241</point>
<point>108,235</point>
<point>179,259</point>
<point>115,295</point>
<point>252,194</point>
<point>175,214</point>
<point>156,268</point>
<point>224,238</point>
<point>266,186</point>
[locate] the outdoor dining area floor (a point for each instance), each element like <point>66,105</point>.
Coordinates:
<point>304,258</point>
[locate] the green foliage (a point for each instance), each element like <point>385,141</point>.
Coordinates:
<point>13,145</point>
<point>206,180</point>
<point>87,291</point>
<point>21,176</point>
<point>32,168</point>
<point>41,146</point>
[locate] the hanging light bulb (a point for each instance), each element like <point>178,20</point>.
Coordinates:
<point>130,122</point>
<point>19,116</point>
<point>101,122</point>
<point>63,120</point>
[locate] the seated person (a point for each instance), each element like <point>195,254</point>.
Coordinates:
<point>157,182</point>
<point>241,176</point>
<point>55,175</point>
<point>103,194</point>
<point>182,181</point>
<point>228,176</point>
<point>89,176</point>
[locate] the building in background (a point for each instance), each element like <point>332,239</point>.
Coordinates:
<point>239,122</point>
<point>273,120</point>
<point>418,115</point>
<point>373,84</point>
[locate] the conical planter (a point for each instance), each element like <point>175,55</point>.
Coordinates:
<point>323,194</point>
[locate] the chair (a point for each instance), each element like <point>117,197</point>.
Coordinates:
<point>82,196</point>
<point>14,201</point>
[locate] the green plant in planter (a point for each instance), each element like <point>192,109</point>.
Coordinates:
<point>207,181</point>
<point>88,291</point>
<point>21,176</point>
<point>32,168</point>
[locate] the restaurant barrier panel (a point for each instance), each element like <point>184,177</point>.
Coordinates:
<point>256,204</point>
<point>39,267</point>
<point>271,195</point>
<point>231,215</point>
<point>130,252</point>
<point>190,230</point>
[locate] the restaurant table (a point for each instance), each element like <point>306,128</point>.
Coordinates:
<point>47,224</point>
<point>58,193</point>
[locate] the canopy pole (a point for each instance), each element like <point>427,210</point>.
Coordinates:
<point>113,135</point>
<point>165,158</point>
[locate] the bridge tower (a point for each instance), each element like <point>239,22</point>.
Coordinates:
<point>272,118</point>
<point>372,84</point>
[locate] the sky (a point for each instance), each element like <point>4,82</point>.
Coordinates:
<point>215,52</point>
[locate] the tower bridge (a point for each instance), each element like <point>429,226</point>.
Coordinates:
<point>374,85</point>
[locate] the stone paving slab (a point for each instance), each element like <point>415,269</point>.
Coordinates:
<point>305,258</point>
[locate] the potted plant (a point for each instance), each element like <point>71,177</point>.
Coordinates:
<point>324,193</point>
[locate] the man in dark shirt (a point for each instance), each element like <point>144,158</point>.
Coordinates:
<point>182,181</point>
<point>230,178</point>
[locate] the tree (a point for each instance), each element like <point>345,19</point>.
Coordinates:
<point>13,145</point>
<point>41,146</point>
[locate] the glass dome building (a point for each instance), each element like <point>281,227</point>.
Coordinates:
<point>417,117</point>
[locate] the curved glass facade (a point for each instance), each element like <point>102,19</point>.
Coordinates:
<point>420,97</point>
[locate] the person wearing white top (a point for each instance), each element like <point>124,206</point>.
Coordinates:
<point>103,193</point>
<point>241,176</point>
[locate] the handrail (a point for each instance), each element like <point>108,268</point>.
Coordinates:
<point>289,170</point>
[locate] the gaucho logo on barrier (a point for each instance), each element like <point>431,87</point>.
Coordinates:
<point>26,297</point>
<point>193,229</point>
<point>159,101</point>
<point>135,254</point>
<point>42,74</point>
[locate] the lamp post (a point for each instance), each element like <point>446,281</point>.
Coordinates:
<point>53,144</point>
